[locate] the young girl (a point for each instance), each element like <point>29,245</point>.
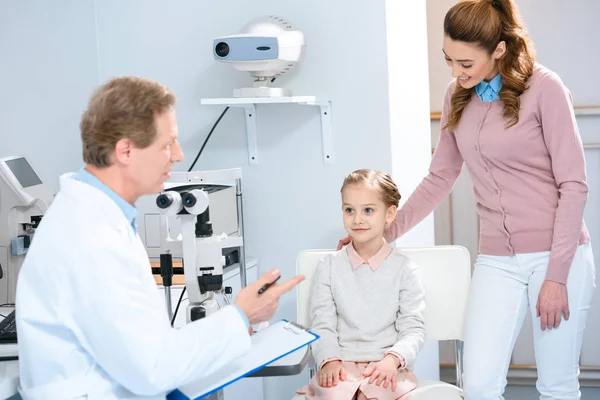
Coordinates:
<point>366,302</point>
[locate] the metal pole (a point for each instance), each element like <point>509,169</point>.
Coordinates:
<point>168,302</point>
<point>458,356</point>
<point>240,215</point>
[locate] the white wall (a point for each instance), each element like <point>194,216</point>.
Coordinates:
<point>291,199</point>
<point>406,24</point>
<point>408,104</point>
<point>47,72</point>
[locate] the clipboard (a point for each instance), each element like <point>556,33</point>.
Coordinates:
<point>268,345</point>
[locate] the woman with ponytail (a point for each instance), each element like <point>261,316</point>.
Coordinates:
<point>511,122</point>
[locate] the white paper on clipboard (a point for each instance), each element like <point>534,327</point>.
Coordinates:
<point>268,345</point>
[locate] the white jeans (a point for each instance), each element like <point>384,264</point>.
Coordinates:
<point>503,289</point>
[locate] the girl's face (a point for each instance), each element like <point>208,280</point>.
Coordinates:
<point>470,64</point>
<point>365,214</point>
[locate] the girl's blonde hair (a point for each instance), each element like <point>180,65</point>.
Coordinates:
<point>378,180</point>
<point>487,23</point>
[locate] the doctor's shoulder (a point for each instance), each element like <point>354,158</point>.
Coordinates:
<point>73,225</point>
<point>55,239</point>
<point>58,224</point>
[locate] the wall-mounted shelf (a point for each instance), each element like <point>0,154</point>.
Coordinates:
<point>249,105</point>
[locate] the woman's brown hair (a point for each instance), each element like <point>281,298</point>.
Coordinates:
<point>487,23</point>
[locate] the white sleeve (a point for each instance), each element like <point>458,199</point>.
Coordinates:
<point>123,325</point>
<point>323,314</point>
<point>410,323</point>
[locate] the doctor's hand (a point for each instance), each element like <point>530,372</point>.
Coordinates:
<point>553,301</point>
<point>261,307</point>
<point>331,373</point>
<point>344,242</point>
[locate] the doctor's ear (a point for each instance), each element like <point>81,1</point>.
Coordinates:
<point>123,151</point>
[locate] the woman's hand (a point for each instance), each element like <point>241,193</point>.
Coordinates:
<point>553,301</point>
<point>344,242</point>
<point>384,371</point>
<point>331,373</point>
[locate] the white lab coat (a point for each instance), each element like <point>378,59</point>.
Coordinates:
<point>90,320</point>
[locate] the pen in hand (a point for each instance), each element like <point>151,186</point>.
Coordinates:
<point>267,285</point>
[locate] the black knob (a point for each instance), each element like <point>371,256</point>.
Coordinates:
<point>228,290</point>
<point>203,225</point>
<point>197,313</point>
<point>166,269</point>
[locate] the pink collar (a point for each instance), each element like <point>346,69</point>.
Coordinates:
<point>356,260</point>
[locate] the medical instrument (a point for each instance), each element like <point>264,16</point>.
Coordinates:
<point>267,47</point>
<point>24,199</point>
<point>186,198</point>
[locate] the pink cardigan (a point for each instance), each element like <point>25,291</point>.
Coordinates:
<point>529,179</point>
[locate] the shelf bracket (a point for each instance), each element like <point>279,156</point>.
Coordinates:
<point>251,139</point>
<point>251,134</point>
<point>326,139</point>
<point>250,110</point>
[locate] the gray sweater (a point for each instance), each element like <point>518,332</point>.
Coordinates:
<point>362,314</point>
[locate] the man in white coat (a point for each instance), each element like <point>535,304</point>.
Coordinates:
<point>90,319</point>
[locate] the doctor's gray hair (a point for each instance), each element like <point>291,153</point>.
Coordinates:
<point>123,108</point>
<point>378,180</point>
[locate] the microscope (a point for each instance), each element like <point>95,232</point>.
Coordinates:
<point>24,199</point>
<point>185,197</point>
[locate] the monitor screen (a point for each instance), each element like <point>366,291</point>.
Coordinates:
<point>23,172</point>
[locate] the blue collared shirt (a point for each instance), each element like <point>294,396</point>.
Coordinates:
<point>489,91</point>
<point>130,211</point>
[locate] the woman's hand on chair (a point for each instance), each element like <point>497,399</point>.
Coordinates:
<point>344,242</point>
<point>331,374</point>
<point>384,371</point>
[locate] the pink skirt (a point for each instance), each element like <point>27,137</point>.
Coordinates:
<point>346,390</point>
